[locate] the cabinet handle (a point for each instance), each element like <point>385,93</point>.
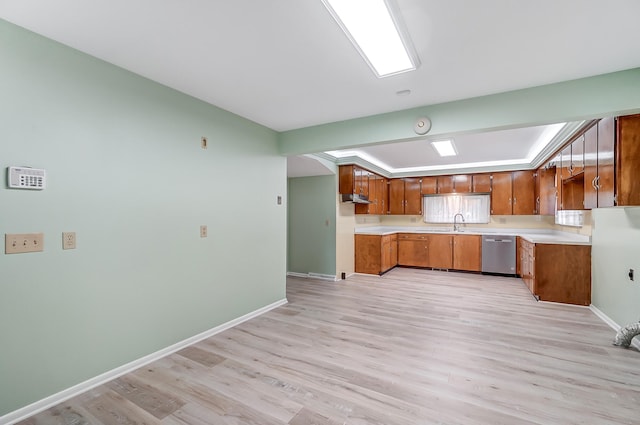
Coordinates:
<point>593,183</point>
<point>514,201</point>
<point>597,182</point>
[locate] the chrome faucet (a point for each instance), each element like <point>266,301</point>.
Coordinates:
<point>456,226</point>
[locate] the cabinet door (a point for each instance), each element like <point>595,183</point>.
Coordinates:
<point>591,167</point>
<point>396,196</point>
<point>412,250</point>
<point>546,199</point>
<point>606,169</point>
<point>501,193</point>
<point>440,252</point>
<point>429,185</point>
<point>567,167</point>
<point>382,187</point>
<point>467,252</point>
<point>368,254</point>
<point>628,156</point>
<point>523,199</point>
<point>412,196</point>
<point>577,155</point>
<point>481,183</point>
<point>393,249</point>
<point>445,184</point>
<point>462,183</point>
<point>346,179</point>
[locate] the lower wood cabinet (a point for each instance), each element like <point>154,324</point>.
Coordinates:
<point>412,249</point>
<point>555,272</point>
<point>467,252</point>
<point>460,252</point>
<point>375,254</point>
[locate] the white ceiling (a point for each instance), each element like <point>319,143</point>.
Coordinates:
<point>286,64</point>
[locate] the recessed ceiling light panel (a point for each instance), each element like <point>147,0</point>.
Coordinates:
<point>444,147</point>
<point>375,29</point>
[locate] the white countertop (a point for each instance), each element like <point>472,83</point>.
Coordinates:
<point>531,235</point>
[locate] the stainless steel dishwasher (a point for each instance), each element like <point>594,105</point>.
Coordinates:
<point>499,254</point>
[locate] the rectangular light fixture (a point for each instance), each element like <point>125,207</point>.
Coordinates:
<point>444,148</point>
<point>377,33</point>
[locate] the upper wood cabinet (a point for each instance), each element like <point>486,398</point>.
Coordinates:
<point>405,196</point>
<point>628,160</point>
<point>513,193</point>
<point>462,183</point>
<point>501,194</point>
<point>481,183</point>
<point>353,179</point>
<point>429,185</point>
<point>445,184</point>
<point>546,190</point>
<point>523,192</point>
<point>599,170</point>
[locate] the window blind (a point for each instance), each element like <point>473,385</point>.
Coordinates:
<point>475,208</point>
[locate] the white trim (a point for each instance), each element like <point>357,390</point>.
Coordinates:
<point>52,400</point>
<point>312,275</point>
<point>609,321</point>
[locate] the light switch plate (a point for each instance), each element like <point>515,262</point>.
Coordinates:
<point>19,243</point>
<point>68,240</point>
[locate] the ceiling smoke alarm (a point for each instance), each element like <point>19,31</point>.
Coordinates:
<point>422,126</point>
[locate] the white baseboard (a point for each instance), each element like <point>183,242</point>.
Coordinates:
<point>312,275</point>
<point>48,402</point>
<point>609,321</point>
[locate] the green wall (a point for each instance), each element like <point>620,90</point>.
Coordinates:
<point>615,249</point>
<point>617,93</point>
<point>126,172</point>
<point>311,232</point>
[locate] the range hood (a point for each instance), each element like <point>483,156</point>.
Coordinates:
<point>355,198</point>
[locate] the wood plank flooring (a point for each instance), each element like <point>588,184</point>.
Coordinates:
<point>411,347</point>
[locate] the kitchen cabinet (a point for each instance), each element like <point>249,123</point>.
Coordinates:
<point>429,185</point>
<point>572,164</point>
<point>375,254</point>
<point>546,190</point>
<point>523,191</point>
<point>599,171</point>
<point>440,251</point>
<point>378,197</point>
<point>501,194</point>
<point>405,196</point>
<point>412,249</point>
<point>481,183</point>
<point>462,183</point>
<point>445,184</point>
<point>353,179</point>
<point>467,252</point>
<point>556,272</point>
<point>627,160</point>
<point>513,193</point>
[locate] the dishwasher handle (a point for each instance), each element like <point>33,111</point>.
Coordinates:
<point>499,240</point>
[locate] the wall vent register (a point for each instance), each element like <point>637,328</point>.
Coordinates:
<point>26,178</point>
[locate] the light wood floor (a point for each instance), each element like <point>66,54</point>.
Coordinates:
<point>411,347</point>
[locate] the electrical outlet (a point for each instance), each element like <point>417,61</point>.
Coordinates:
<point>203,142</point>
<point>19,243</point>
<point>631,275</point>
<point>68,240</point>
<point>203,231</point>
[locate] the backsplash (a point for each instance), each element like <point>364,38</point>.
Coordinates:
<point>497,221</point>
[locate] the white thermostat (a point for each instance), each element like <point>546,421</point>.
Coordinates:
<point>26,178</point>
